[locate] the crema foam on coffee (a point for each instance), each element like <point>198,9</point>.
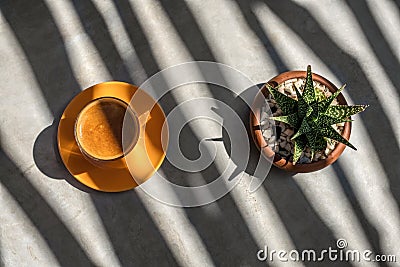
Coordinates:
<point>99,128</point>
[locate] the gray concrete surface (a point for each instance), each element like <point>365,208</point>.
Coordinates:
<point>50,50</point>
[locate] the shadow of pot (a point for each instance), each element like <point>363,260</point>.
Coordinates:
<point>262,145</point>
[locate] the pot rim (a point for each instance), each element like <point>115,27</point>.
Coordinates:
<point>279,161</point>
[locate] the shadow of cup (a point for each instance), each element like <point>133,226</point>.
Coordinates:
<point>48,160</point>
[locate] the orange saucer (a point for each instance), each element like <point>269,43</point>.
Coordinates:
<point>147,155</point>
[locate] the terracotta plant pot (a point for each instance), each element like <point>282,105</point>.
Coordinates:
<point>279,161</point>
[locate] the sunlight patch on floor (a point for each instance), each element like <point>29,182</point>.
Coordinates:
<point>86,63</point>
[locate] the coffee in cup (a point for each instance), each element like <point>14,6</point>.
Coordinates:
<point>98,129</point>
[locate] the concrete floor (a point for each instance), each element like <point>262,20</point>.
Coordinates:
<point>50,50</point>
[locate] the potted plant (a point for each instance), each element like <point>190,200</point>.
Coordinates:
<point>311,117</point>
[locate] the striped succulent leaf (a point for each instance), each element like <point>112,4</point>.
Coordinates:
<point>299,145</point>
<point>343,111</point>
<point>304,129</point>
<point>291,119</point>
<point>324,104</point>
<point>309,91</point>
<point>312,116</point>
<point>316,140</point>
<point>331,133</point>
<point>326,121</point>
<point>287,104</point>
<point>302,105</point>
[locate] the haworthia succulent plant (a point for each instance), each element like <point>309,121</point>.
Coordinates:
<point>312,116</point>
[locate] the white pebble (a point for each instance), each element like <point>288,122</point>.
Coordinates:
<point>299,84</point>
<point>267,133</point>
<point>317,155</point>
<point>263,116</point>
